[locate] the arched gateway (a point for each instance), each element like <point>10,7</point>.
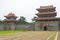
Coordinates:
<point>45,28</point>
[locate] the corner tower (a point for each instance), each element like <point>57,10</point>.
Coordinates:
<point>46,18</point>
<point>10,21</point>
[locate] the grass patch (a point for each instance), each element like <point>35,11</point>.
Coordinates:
<point>11,31</point>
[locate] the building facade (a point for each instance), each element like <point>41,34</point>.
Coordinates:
<point>46,18</point>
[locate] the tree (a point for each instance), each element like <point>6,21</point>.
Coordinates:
<point>58,19</point>
<point>33,19</point>
<point>22,20</point>
<point>1,22</point>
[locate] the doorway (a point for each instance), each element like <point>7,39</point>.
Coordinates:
<point>45,28</point>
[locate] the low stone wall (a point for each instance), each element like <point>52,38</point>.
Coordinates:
<point>1,27</point>
<point>25,27</point>
<point>17,26</point>
<point>52,25</point>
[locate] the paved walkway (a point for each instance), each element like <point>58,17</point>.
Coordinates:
<point>27,36</point>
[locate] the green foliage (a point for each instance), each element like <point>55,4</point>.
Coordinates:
<point>22,20</point>
<point>33,19</point>
<point>1,22</point>
<point>58,19</point>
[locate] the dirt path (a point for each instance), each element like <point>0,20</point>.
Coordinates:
<point>26,36</point>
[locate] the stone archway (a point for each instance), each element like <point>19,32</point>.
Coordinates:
<point>45,28</point>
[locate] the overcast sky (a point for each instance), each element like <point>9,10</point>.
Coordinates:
<point>26,8</point>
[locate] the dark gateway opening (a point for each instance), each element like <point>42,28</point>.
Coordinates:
<point>45,28</point>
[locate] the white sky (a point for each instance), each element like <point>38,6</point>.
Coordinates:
<point>26,8</point>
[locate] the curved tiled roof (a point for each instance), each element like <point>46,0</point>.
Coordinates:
<point>46,7</point>
<point>46,13</point>
<point>46,18</point>
<point>11,15</point>
<point>5,20</point>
